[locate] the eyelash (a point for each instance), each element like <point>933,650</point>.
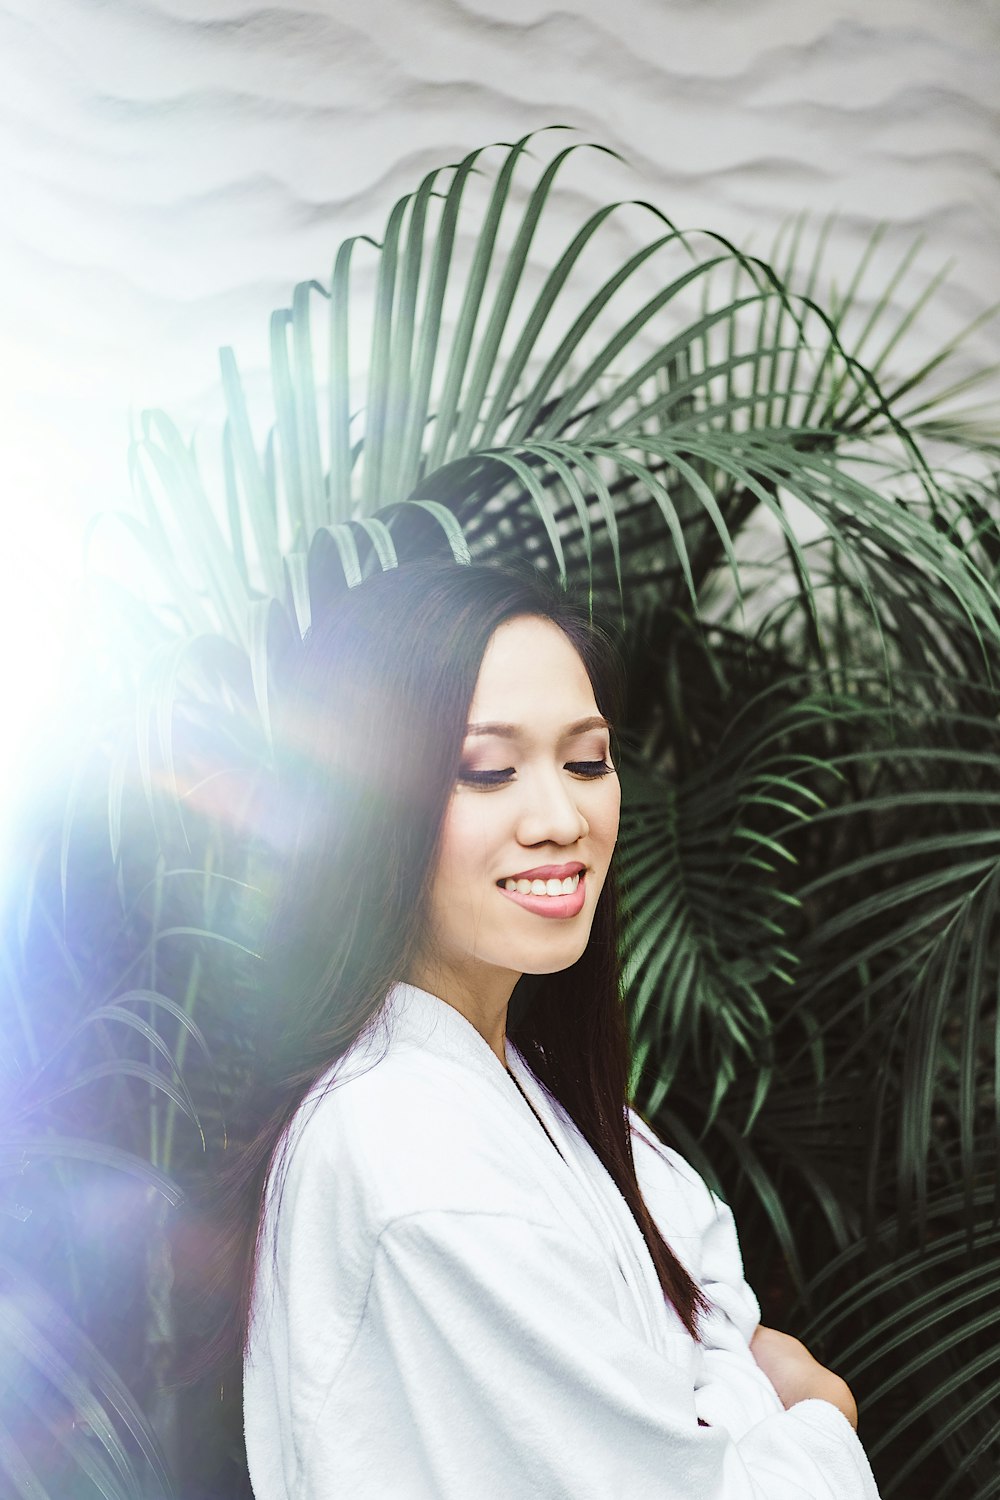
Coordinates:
<point>595,769</point>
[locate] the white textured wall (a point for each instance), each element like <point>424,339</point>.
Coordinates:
<point>171,167</point>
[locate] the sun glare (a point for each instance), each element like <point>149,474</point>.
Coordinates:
<point>39,595</point>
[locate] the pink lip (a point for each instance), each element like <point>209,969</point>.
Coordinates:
<point>551,906</point>
<point>548,872</point>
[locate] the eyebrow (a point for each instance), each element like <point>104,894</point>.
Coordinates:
<point>513,731</point>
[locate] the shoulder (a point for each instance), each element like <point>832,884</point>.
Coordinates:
<point>683,1205</point>
<point>412,1132</point>
<point>665,1169</point>
<point>698,1224</point>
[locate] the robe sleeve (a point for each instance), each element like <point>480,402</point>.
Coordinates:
<point>732,1391</point>
<point>500,1368</point>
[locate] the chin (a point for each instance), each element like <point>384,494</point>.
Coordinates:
<point>552,962</point>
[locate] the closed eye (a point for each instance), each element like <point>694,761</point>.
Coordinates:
<point>486,778</point>
<point>591,768</point>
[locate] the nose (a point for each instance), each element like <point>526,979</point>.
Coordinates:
<point>550,812</point>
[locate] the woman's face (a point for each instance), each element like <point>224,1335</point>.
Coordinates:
<point>537,800</point>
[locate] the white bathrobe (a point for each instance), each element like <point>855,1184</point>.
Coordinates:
<point>452,1309</point>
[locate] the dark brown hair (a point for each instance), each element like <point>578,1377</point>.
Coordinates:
<point>368,738</point>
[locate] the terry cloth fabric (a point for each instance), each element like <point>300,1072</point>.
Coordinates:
<point>447,1308</point>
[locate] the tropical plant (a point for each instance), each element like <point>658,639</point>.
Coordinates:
<point>735,468</point>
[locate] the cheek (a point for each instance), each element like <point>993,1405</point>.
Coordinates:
<point>465,846</point>
<point>608,812</point>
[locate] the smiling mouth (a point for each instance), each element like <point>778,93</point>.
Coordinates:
<point>551,887</point>
<point>564,903</point>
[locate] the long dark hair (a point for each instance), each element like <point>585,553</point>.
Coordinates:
<point>368,738</point>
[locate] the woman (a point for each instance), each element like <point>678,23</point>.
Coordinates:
<point>469,1272</point>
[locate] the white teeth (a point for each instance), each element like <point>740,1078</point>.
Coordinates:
<point>544,887</point>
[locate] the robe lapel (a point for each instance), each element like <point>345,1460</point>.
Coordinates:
<point>580,1190</point>
<point>608,1209</point>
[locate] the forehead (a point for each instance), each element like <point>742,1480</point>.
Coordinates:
<point>531,671</point>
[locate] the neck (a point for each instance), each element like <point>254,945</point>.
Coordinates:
<point>481,998</point>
